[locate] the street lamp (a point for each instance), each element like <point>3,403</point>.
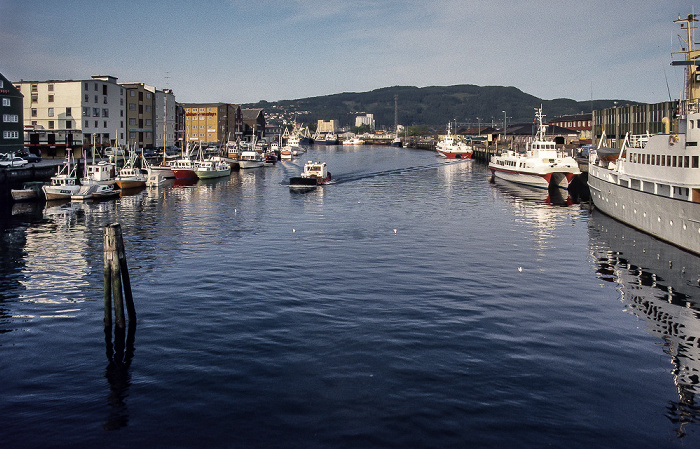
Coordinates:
<point>504,125</point>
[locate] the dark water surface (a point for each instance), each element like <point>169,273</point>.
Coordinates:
<point>411,303</point>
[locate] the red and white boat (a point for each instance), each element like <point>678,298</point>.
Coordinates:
<point>451,148</point>
<point>542,165</point>
<point>185,167</point>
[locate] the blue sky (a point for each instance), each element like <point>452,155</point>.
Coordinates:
<point>243,51</point>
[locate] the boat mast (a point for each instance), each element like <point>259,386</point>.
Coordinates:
<point>692,80</point>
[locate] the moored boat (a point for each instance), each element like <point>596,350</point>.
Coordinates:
<point>542,165</point>
<point>251,159</point>
<point>64,183</point>
<point>314,174</point>
<point>30,191</point>
<point>131,176</point>
<point>652,182</point>
<point>452,148</point>
<point>353,141</point>
<point>212,168</point>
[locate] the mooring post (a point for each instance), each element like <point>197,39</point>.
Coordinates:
<point>116,269</point>
<point>126,282</point>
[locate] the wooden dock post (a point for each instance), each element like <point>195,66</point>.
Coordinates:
<point>116,278</point>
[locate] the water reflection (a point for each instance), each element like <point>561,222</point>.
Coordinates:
<point>118,374</point>
<point>659,283</point>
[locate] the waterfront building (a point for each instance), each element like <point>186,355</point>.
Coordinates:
<point>12,124</point>
<point>253,123</point>
<point>61,115</point>
<point>581,123</point>
<point>165,121</point>
<point>330,126</point>
<point>140,114</point>
<point>367,119</point>
<point>212,123</point>
<point>617,121</point>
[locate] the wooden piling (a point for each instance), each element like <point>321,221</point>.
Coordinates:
<point>116,278</point>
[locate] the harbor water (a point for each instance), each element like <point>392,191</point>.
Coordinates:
<point>409,303</point>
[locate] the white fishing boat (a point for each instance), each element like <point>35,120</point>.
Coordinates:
<point>184,168</point>
<point>131,176</point>
<point>652,182</point>
<point>314,174</point>
<point>213,167</point>
<point>353,141</point>
<point>98,173</point>
<point>542,165</point>
<point>64,183</point>
<point>451,148</point>
<point>251,159</point>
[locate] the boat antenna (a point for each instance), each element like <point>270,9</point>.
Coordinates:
<point>667,87</point>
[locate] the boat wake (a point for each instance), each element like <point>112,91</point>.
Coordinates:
<point>352,177</point>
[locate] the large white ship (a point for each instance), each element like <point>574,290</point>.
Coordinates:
<point>653,181</point>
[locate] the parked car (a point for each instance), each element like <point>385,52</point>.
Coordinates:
<point>13,161</point>
<point>29,157</point>
<point>114,151</point>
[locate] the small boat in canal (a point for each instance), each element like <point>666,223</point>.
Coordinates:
<point>64,183</point>
<point>30,191</point>
<point>251,159</point>
<point>95,191</point>
<point>314,174</point>
<point>131,176</point>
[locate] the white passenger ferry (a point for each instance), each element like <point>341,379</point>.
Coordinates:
<point>542,165</point>
<point>653,181</point>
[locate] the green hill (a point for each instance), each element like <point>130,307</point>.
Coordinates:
<point>433,106</point>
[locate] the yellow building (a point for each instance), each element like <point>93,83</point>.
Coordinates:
<point>212,123</point>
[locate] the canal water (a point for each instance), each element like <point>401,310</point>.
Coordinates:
<point>410,303</point>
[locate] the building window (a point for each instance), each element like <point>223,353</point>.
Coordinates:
<point>132,93</point>
<point>87,98</point>
<point>69,112</point>
<point>148,108</point>
<point>132,106</point>
<point>132,122</point>
<point>86,124</point>
<point>51,125</point>
<point>35,112</point>
<point>87,87</point>
<point>50,112</point>
<point>121,102</point>
<point>96,125</point>
<point>105,113</point>
<point>86,112</point>
<point>97,100</point>
<point>50,98</point>
<point>35,98</point>
<point>95,87</point>
<point>149,122</point>
<point>69,124</point>
<point>10,118</point>
<point>35,88</point>
<point>104,89</point>
<point>104,124</point>
<point>6,102</point>
<point>10,134</point>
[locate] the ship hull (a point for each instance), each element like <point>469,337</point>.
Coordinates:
<point>672,220</point>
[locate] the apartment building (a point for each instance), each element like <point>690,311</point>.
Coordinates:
<point>165,119</point>
<point>212,123</point>
<point>367,119</point>
<point>140,114</point>
<point>11,126</point>
<point>61,115</point>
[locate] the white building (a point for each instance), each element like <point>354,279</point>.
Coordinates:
<point>61,114</point>
<point>367,119</point>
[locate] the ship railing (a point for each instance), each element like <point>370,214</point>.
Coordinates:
<point>638,140</point>
<point>689,106</point>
